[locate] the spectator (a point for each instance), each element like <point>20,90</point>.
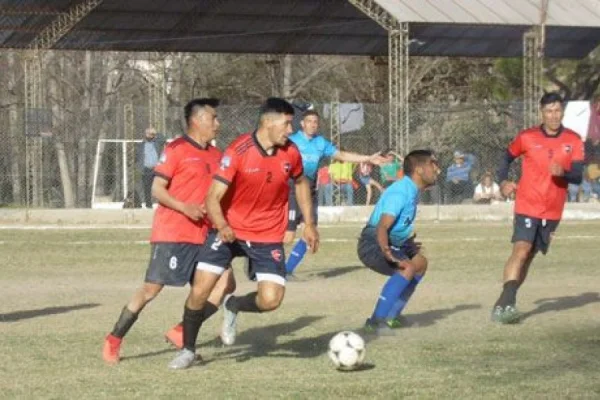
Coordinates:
<point>458,181</point>
<point>391,171</point>
<point>147,155</point>
<point>341,173</point>
<point>487,190</point>
<point>364,175</point>
<point>325,187</point>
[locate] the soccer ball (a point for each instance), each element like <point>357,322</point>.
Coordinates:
<point>347,350</point>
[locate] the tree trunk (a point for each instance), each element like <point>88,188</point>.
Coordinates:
<point>65,176</point>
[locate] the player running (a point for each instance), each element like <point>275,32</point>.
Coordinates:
<point>552,158</point>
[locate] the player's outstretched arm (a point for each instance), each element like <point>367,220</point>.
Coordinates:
<point>310,233</point>
<point>215,213</point>
<point>348,156</point>
<point>160,191</point>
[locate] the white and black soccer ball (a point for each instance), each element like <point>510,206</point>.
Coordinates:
<point>347,350</point>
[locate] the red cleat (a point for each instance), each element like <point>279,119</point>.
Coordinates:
<point>175,336</point>
<point>111,349</point>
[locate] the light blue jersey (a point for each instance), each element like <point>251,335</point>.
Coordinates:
<point>312,150</point>
<point>400,201</point>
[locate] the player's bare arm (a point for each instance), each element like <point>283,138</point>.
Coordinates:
<point>383,227</point>
<point>310,233</point>
<point>160,191</point>
<point>347,156</point>
<point>215,212</point>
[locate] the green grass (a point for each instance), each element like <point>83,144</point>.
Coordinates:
<point>63,289</point>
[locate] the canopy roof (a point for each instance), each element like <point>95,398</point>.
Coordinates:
<point>481,28</point>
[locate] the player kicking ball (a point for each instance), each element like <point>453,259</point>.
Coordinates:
<point>387,246</point>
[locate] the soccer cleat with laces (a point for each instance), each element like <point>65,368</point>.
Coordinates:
<point>228,329</point>
<point>111,350</point>
<point>185,358</point>
<point>507,315</point>
<point>379,327</point>
<point>175,336</point>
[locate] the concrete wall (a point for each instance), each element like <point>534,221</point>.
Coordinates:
<point>143,217</point>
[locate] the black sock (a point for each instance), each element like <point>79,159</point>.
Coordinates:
<point>208,310</point>
<point>192,321</point>
<point>509,294</point>
<point>124,323</point>
<point>245,303</point>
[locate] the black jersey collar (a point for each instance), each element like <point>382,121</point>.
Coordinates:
<point>196,144</point>
<point>261,149</point>
<point>560,130</point>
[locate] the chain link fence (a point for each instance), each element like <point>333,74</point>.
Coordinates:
<point>89,159</point>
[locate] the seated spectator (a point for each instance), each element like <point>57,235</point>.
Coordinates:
<point>364,175</point>
<point>487,190</point>
<point>458,181</point>
<point>324,186</point>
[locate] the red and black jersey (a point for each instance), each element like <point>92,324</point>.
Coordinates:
<point>539,194</point>
<point>189,168</point>
<point>256,204</point>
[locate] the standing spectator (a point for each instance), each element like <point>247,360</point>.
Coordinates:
<point>364,175</point>
<point>487,190</point>
<point>390,172</point>
<point>325,187</point>
<point>458,181</point>
<point>147,156</point>
<point>341,173</point>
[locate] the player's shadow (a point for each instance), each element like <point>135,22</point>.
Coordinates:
<point>430,317</point>
<point>42,312</point>
<point>562,303</point>
<point>335,272</point>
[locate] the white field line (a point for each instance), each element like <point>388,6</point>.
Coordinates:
<point>324,240</point>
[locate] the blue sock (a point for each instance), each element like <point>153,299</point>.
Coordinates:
<point>296,256</point>
<point>391,291</point>
<point>404,297</point>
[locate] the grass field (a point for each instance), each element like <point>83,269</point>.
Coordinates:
<point>63,289</point>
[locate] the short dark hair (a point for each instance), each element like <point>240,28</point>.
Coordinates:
<point>416,158</point>
<point>551,97</point>
<point>308,113</point>
<point>192,107</point>
<point>276,105</point>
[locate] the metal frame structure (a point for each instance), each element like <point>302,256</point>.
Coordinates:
<point>335,131</point>
<point>128,153</point>
<point>398,71</point>
<point>534,43</point>
<point>32,66</point>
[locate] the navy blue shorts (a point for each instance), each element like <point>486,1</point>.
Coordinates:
<point>536,231</point>
<point>267,259</point>
<point>372,257</point>
<point>294,214</point>
<point>172,264</point>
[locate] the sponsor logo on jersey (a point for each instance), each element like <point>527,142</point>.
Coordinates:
<point>225,162</point>
<point>276,254</point>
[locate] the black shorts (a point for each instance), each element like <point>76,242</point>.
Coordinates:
<point>536,231</point>
<point>294,214</point>
<point>172,264</point>
<point>267,260</point>
<point>372,257</point>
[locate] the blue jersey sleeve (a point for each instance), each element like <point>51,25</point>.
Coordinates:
<point>393,203</point>
<point>329,150</point>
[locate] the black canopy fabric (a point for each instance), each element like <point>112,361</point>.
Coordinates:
<point>288,26</point>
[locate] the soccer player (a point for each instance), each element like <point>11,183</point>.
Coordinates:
<point>247,204</point>
<point>314,148</point>
<point>182,178</point>
<point>387,246</point>
<point>552,158</point>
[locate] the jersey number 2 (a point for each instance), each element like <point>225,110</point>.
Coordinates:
<point>269,177</point>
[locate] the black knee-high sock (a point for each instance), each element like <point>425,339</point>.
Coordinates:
<point>508,297</point>
<point>124,323</point>
<point>192,321</point>
<point>207,312</point>
<point>245,303</point>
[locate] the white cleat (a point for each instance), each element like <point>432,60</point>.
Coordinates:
<point>184,359</point>
<point>228,329</point>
